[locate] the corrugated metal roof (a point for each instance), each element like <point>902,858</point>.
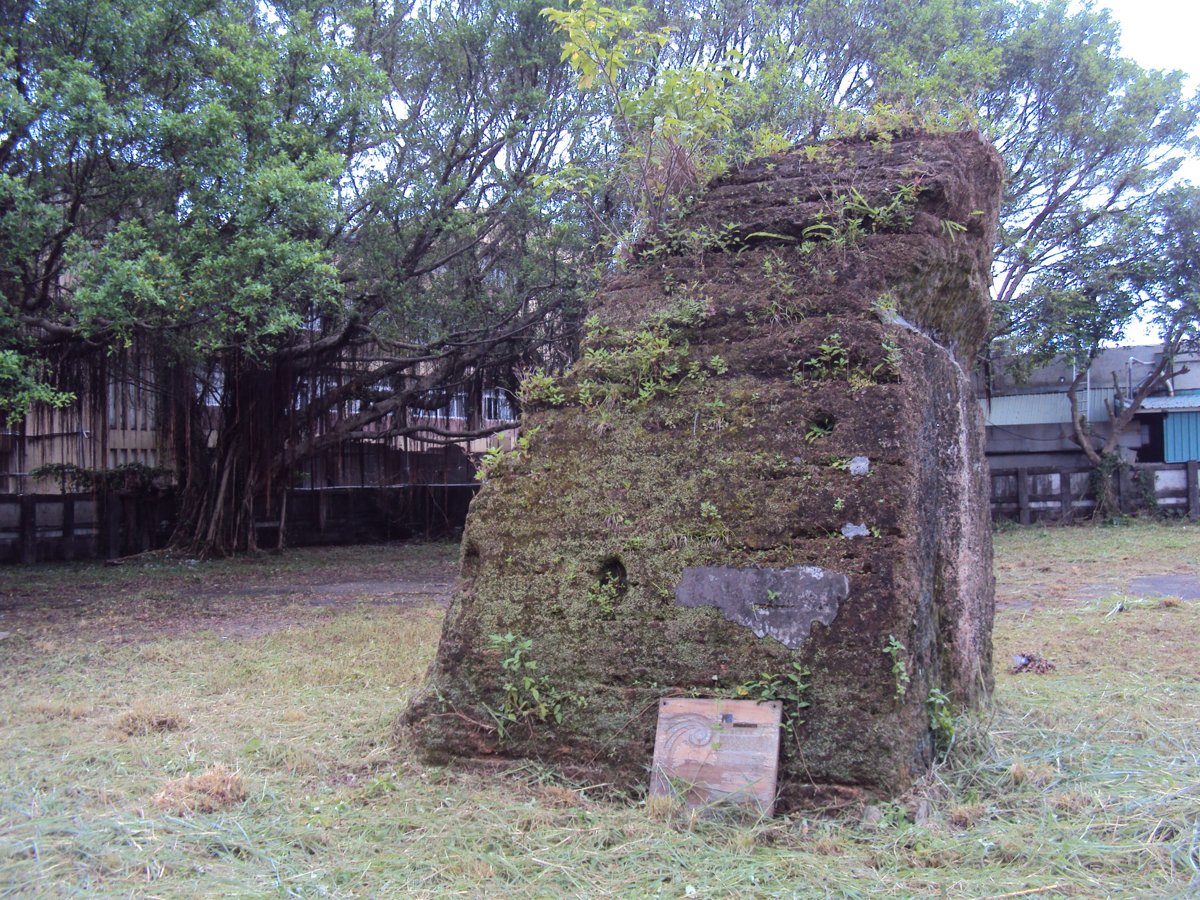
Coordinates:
<point>1039,409</point>
<point>1181,401</point>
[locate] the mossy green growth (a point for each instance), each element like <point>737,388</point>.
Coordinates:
<point>578,544</point>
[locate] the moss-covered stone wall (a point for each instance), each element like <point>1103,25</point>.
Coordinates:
<point>771,400</point>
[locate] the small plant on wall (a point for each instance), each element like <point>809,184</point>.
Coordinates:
<point>789,687</point>
<point>895,651</point>
<point>528,696</point>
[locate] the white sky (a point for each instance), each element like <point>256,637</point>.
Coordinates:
<point>1162,34</point>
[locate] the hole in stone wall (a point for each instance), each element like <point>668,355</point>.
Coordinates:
<point>470,561</point>
<point>610,586</point>
<point>613,571</point>
<point>819,426</point>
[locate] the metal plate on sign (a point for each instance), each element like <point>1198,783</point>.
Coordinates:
<point>710,752</point>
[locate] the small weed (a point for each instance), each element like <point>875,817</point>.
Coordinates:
<point>820,427</point>
<point>494,458</point>
<point>789,687</point>
<point>941,720</point>
<point>605,593</point>
<point>529,696</point>
<point>538,388</point>
<point>895,651</point>
<point>895,211</point>
<point>893,356</point>
<point>952,229</point>
<point>831,360</point>
<point>884,306</point>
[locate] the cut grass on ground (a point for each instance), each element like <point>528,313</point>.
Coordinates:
<point>167,761</point>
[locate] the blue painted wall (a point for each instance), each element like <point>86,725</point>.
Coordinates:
<point>1181,437</point>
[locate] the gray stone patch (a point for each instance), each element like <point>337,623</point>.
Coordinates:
<point>851,530</point>
<point>1185,587</point>
<point>777,603</point>
<point>860,465</point>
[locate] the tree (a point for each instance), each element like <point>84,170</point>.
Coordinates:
<point>1159,279</point>
<point>667,120</point>
<point>316,214</point>
<point>1090,138</point>
<point>298,208</point>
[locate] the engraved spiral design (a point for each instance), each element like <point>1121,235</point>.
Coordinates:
<point>692,729</point>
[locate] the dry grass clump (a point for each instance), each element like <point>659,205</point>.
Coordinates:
<point>1070,801</point>
<point>558,797</point>
<point>47,710</point>
<point>1037,774</point>
<point>966,815</point>
<point>664,808</point>
<point>212,790</point>
<point>145,718</point>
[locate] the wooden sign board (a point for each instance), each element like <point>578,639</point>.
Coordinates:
<point>711,752</point>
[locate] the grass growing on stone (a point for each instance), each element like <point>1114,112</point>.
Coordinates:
<point>173,757</point>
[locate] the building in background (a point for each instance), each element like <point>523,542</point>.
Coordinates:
<point>1028,414</point>
<point>116,435</point>
<point>113,422</point>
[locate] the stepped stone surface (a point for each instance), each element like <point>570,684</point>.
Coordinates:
<point>768,461</point>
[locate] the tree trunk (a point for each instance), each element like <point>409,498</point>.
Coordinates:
<point>223,483</point>
<point>1105,479</point>
<point>1106,459</point>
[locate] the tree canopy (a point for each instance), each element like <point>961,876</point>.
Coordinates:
<point>316,215</point>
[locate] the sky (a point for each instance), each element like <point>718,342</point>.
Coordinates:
<point>1162,34</point>
<point>1159,34</point>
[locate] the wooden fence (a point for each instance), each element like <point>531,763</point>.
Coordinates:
<point>38,527</point>
<point>42,527</point>
<point>1065,494</point>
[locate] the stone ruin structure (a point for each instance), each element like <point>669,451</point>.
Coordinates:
<point>764,478</point>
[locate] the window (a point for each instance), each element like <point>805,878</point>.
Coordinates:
<point>454,407</point>
<point>496,406</point>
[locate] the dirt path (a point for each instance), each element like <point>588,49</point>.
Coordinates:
<point>1065,590</point>
<point>236,599</point>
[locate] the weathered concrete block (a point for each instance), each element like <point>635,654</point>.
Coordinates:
<point>766,468</point>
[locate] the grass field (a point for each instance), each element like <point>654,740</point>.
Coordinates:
<point>226,730</point>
